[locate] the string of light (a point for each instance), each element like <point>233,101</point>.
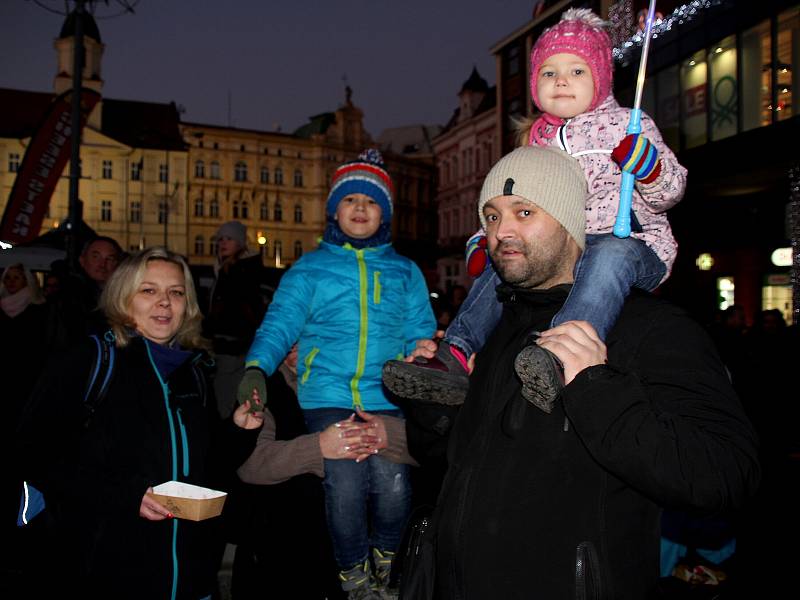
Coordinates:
<point>683,14</point>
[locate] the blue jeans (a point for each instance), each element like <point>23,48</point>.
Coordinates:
<point>606,271</point>
<point>367,503</point>
<point>604,275</point>
<point>478,315</point>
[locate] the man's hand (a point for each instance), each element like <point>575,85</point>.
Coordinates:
<point>425,347</point>
<point>253,386</point>
<point>577,346</point>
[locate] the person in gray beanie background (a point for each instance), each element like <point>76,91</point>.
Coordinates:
<point>235,310</point>
<point>564,501</point>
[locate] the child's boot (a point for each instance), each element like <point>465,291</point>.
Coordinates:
<point>443,379</point>
<point>356,581</point>
<point>383,570</point>
<point>542,376</point>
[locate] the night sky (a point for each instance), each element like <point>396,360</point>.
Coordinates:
<point>280,62</point>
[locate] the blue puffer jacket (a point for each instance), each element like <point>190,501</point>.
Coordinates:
<point>350,311</point>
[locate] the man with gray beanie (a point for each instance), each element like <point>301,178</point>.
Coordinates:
<point>565,503</point>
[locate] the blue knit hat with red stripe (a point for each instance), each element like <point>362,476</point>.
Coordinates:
<point>366,175</point>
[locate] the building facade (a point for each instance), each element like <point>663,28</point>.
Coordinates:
<point>271,182</point>
<point>465,151</point>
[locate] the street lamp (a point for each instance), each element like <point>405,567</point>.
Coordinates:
<point>262,242</point>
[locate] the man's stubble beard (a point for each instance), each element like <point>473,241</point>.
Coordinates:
<point>544,263</point>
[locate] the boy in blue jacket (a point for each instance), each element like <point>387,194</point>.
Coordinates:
<point>351,305</point>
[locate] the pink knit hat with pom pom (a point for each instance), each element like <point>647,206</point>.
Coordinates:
<point>579,32</point>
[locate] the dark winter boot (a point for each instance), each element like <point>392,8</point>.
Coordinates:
<point>542,376</point>
<point>357,582</point>
<point>383,570</point>
<point>443,379</point>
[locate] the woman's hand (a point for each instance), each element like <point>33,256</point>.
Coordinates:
<point>247,419</point>
<point>347,439</point>
<point>151,510</point>
<point>380,435</point>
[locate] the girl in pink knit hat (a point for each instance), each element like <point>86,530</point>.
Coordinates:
<point>571,81</point>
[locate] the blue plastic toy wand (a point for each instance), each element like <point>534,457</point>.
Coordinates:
<point>622,226</point>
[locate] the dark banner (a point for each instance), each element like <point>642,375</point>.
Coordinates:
<point>41,168</point>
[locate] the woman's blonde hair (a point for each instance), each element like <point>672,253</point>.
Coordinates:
<point>118,294</point>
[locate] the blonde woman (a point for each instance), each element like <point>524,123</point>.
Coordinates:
<point>156,423</point>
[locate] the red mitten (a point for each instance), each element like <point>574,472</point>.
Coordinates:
<point>637,155</point>
<point>477,255</point>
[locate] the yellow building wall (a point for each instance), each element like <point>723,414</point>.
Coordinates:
<point>118,190</point>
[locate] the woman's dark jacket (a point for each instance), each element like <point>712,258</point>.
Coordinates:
<point>567,505</point>
<point>93,476</point>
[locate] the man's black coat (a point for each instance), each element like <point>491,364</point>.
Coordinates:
<point>567,505</point>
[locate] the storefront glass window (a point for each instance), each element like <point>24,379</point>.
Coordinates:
<point>724,94</point>
<point>693,83</point>
<point>667,114</point>
<point>756,62</point>
<point>788,58</point>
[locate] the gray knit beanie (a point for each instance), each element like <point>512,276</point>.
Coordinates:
<point>235,230</point>
<point>547,177</point>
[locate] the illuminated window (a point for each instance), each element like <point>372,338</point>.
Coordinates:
<point>694,73</point>
<point>788,27</point>
<point>724,100</point>
<point>756,59</point>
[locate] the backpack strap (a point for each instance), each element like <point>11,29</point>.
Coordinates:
<point>100,375</point>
